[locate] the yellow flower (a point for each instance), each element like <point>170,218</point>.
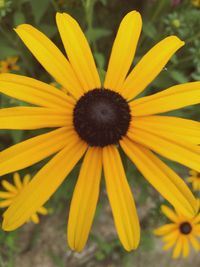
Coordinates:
<point>92,122</point>
<point>196,3</point>
<point>9,65</point>
<point>13,190</point>
<point>180,233</point>
<point>194,179</point>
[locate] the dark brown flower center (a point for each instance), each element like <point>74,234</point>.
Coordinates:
<point>185,228</point>
<point>101,117</point>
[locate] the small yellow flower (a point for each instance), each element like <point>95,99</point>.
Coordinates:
<point>13,190</point>
<point>194,179</point>
<point>9,64</point>
<point>196,3</point>
<point>179,234</point>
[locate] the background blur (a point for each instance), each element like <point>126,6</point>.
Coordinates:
<point>44,245</point>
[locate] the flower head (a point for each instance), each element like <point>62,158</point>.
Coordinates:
<point>194,179</point>
<point>14,190</point>
<point>9,65</point>
<point>92,120</point>
<point>179,234</point>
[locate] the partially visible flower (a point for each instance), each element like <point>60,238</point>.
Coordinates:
<point>194,179</point>
<point>9,64</point>
<point>179,234</point>
<point>13,190</point>
<point>196,3</point>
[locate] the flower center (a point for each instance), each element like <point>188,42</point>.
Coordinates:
<point>185,228</point>
<point>198,175</point>
<point>101,117</point>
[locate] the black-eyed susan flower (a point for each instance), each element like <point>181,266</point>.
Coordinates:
<point>93,119</point>
<point>194,179</point>
<point>13,190</point>
<point>9,65</point>
<point>181,233</point>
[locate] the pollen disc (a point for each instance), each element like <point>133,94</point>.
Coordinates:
<point>185,228</point>
<point>101,117</point>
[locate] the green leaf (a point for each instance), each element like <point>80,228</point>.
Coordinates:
<point>178,76</point>
<point>97,33</point>
<point>39,8</point>
<point>49,30</point>
<point>6,50</point>
<point>19,18</point>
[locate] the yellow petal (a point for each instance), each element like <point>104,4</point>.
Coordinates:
<point>6,203</point>
<point>42,210</point>
<point>182,152</point>
<point>33,118</point>
<point>165,229</point>
<point>169,213</point>
<point>123,50</point>
<point>171,127</point>
<point>150,66</point>
<point>84,199</point>
<point>171,236</point>
<point>8,186</point>
<point>161,177</point>
<point>121,199</point>
<point>169,244</point>
<point>17,181</point>
<point>175,97</point>
<point>34,218</point>
<point>186,248</point>
<point>194,242</point>
<point>33,150</point>
<point>78,51</point>
<point>34,92</point>
<point>6,195</point>
<point>43,185</point>
<point>178,248</point>
<point>27,177</point>
<point>50,58</point>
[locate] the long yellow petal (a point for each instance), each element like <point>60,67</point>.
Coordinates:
<point>169,244</point>
<point>34,92</point>
<point>178,248</point>
<point>195,243</point>
<point>33,118</point>
<point>182,152</point>
<point>171,127</point>
<point>186,248</point>
<point>165,229</point>
<point>169,213</point>
<point>33,150</point>
<point>78,51</point>
<point>8,186</point>
<point>50,57</point>
<point>161,177</point>
<point>123,50</point>
<point>84,199</point>
<point>17,181</point>
<point>121,199</point>
<point>43,185</point>
<point>6,195</point>
<point>150,66</point>
<point>6,203</point>
<point>175,97</point>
